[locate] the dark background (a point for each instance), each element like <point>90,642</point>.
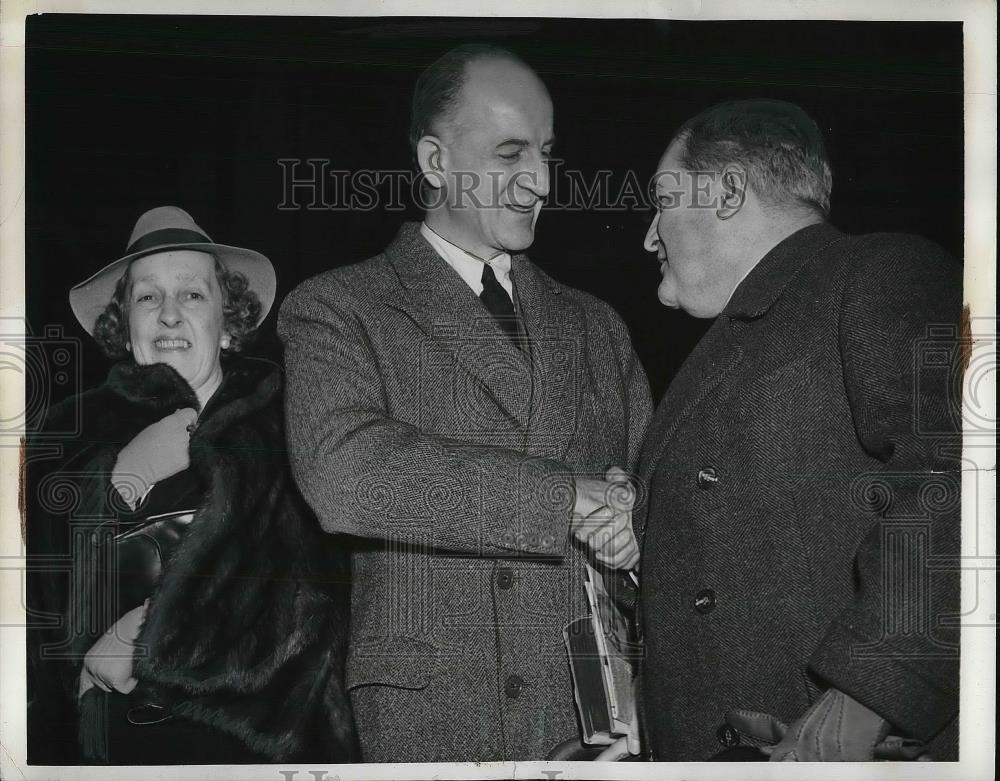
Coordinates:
<point>129,112</point>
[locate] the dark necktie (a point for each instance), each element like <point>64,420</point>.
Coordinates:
<point>499,304</point>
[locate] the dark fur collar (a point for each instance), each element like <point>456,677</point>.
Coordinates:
<point>158,386</point>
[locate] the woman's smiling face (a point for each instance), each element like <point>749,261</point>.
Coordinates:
<point>175,314</point>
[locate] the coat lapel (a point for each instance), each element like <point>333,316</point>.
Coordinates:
<point>555,333</point>
<point>437,299</point>
<point>718,353</point>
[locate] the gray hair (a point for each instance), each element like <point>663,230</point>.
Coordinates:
<point>778,144</point>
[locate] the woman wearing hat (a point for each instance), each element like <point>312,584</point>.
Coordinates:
<point>216,634</point>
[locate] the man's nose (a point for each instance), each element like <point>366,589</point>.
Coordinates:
<point>652,240</point>
<point>535,180</point>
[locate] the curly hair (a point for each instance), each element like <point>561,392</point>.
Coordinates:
<point>240,311</point>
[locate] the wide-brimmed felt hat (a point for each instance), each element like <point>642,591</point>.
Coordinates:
<point>159,230</point>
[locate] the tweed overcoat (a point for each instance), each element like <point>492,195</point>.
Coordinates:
<point>803,491</point>
<point>418,426</point>
<point>246,631</point>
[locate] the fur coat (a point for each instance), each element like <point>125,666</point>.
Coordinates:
<point>246,631</point>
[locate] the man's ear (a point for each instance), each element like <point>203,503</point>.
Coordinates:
<point>429,153</point>
<point>733,191</point>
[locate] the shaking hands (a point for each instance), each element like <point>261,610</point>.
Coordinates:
<point>602,518</point>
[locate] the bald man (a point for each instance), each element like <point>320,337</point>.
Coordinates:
<point>457,411</point>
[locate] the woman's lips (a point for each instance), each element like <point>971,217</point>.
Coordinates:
<point>171,344</point>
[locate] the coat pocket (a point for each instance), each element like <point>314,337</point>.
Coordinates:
<point>403,663</point>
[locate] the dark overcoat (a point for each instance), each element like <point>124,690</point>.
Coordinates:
<point>246,631</point>
<point>415,423</point>
<point>803,506</point>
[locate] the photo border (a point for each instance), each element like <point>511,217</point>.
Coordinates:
<point>978,692</point>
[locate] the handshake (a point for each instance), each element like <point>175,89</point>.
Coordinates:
<point>602,519</point>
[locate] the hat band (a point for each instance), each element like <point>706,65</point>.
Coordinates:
<point>164,237</point>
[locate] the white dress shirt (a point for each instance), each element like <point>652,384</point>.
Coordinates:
<point>469,266</point>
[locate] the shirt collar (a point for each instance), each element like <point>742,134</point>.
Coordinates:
<point>469,266</point>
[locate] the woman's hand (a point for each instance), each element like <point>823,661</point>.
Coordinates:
<point>155,453</point>
<point>108,664</point>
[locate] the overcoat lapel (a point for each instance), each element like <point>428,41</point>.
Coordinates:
<point>437,299</point>
<point>555,337</point>
<point>717,355</point>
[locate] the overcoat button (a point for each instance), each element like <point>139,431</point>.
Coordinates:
<point>704,601</point>
<point>505,578</point>
<point>512,687</point>
<point>707,477</point>
<point>727,736</point>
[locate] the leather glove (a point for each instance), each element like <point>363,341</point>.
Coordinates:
<point>155,453</point>
<point>108,664</point>
<point>837,728</point>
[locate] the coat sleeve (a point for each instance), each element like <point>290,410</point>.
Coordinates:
<point>891,648</point>
<point>370,475</point>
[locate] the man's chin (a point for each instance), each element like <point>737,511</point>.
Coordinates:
<point>516,239</point>
<point>667,296</point>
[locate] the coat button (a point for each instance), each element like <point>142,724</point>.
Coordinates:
<point>505,578</point>
<point>513,685</point>
<point>704,601</point>
<point>707,477</point>
<point>727,736</point>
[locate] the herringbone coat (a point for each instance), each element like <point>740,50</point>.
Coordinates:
<point>803,498</point>
<point>417,425</point>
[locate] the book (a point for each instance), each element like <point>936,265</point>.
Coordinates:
<point>600,656</point>
<point>588,681</point>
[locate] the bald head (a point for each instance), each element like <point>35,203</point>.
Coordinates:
<point>495,93</point>
<point>444,85</point>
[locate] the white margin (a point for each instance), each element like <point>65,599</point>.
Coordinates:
<point>978,736</point>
